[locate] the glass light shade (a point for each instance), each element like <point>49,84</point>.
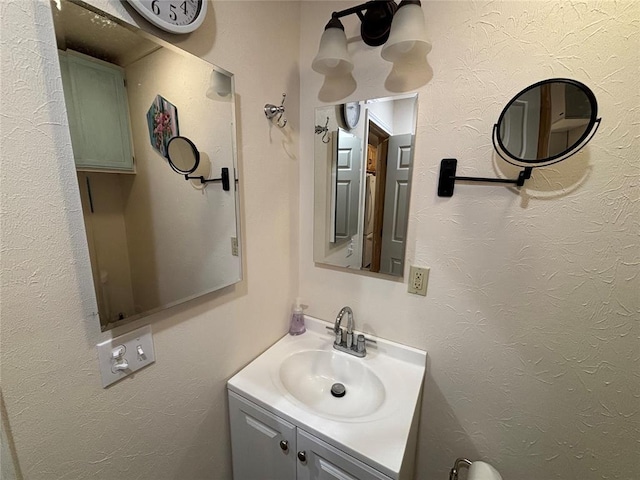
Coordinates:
<point>333,57</point>
<point>408,38</point>
<point>219,85</point>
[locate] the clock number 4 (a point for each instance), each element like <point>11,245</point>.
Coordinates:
<point>172,9</point>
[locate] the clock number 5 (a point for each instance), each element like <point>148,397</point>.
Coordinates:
<point>155,7</point>
<point>172,12</point>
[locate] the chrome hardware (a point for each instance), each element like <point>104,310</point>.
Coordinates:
<point>336,325</point>
<point>271,111</point>
<point>118,352</point>
<point>119,362</point>
<point>324,131</point>
<point>453,475</point>
<point>349,340</point>
<point>284,445</point>
<point>302,456</point>
<point>121,365</point>
<point>344,339</point>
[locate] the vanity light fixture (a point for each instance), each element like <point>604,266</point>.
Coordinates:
<point>400,28</point>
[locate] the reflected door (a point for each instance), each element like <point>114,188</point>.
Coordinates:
<point>396,204</point>
<point>347,185</point>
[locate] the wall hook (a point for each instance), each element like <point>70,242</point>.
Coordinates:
<point>271,111</point>
<point>325,131</point>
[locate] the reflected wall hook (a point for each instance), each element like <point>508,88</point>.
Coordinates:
<point>271,111</point>
<point>324,130</point>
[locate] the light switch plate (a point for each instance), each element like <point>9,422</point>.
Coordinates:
<point>137,352</point>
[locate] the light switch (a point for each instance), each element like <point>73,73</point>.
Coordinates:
<point>125,354</point>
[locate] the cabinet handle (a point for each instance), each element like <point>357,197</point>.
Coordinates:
<point>284,445</point>
<point>302,456</point>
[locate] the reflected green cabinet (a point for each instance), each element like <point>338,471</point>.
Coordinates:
<point>98,112</point>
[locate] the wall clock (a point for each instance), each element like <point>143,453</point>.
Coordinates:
<point>175,16</point>
<point>351,114</point>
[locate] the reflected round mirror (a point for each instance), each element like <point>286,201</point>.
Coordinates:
<point>183,155</point>
<point>546,123</point>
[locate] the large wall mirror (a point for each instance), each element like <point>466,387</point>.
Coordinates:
<point>362,179</point>
<point>155,239</point>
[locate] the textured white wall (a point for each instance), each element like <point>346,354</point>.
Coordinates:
<point>168,421</point>
<point>532,317</point>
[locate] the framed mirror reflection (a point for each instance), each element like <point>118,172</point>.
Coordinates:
<point>154,239</point>
<point>363,165</point>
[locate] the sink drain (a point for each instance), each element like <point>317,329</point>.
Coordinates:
<point>338,390</point>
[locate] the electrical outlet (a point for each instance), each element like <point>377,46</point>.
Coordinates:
<point>418,279</point>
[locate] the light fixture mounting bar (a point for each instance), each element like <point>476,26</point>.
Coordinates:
<point>375,22</point>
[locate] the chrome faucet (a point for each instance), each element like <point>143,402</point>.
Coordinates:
<point>348,340</point>
<point>344,339</point>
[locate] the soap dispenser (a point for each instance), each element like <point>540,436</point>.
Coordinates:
<point>297,320</point>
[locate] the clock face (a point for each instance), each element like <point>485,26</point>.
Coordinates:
<point>175,16</point>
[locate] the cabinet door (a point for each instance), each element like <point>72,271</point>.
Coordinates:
<point>98,114</point>
<point>324,462</point>
<point>256,437</point>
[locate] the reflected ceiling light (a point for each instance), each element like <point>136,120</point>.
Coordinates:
<point>219,85</point>
<point>400,28</point>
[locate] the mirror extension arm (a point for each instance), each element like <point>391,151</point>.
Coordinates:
<point>224,178</point>
<point>448,177</point>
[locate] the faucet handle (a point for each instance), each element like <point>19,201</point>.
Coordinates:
<point>360,347</point>
<point>339,334</point>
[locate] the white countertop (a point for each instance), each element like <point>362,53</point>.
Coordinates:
<point>378,439</point>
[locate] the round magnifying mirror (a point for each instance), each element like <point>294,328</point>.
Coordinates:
<point>183,155</point>
<point>546,123</point>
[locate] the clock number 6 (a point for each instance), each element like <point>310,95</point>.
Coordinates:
<point>155,7</point>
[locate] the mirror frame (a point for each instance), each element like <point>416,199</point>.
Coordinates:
<point>196,156</point>
<point>589,131</point>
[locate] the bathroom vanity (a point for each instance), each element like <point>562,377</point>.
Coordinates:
<point>286,423</point>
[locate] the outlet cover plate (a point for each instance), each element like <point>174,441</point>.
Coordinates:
<point>140,337</point>
<point>418,280</point>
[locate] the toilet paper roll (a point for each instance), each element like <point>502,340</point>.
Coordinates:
<point>482,471</point>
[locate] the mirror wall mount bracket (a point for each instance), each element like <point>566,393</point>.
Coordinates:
<point>224,178</point>
<point>448,177</point>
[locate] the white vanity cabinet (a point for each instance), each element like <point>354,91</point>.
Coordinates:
<point>98,113</point>
<point>266,447</point>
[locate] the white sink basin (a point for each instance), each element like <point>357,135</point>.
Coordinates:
<point>372,422</point>
<point>309,375</point>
